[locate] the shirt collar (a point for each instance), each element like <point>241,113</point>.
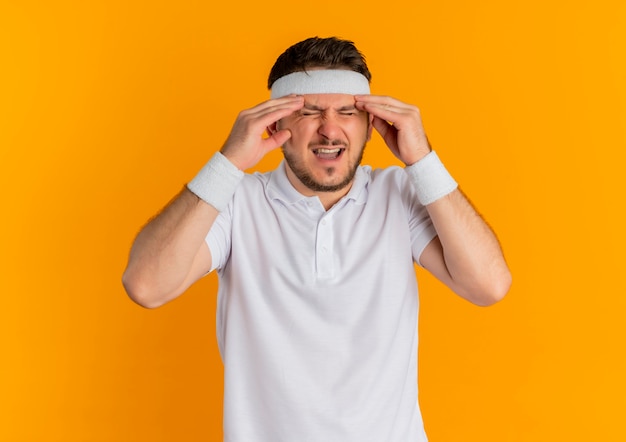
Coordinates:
<point>279,187</point>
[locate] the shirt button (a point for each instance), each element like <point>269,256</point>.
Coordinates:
<point>323,222</point>
<point>324,250</point>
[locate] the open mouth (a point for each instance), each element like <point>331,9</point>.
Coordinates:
<point>325,153</point>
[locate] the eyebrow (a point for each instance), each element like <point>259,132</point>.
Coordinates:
<point>313,107</point>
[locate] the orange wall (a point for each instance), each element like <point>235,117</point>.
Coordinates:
<point>108,107</point>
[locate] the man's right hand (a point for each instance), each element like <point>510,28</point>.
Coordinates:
<point>246,145</point>
<point>170,253</point>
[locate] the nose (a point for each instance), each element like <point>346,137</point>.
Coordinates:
<point>329,128</point>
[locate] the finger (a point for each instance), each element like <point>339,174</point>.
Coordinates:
<point>383,113</point>
<point>383,102</point>
<point>380,99</point>
<point>397,114</point>
<point>270,113</point>
<point>381,126</point>
<point>387,131</point>
<point>275,140</point>
<point>275,104</point>
<point>277,101</point>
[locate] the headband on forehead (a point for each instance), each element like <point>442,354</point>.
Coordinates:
<point>331,81</point>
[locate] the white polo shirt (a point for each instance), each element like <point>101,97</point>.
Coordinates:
<point>317,310</point>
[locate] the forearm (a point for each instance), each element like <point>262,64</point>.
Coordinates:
<point>170,253</point>
<point>465,255</point>
<point>472,255</point>
<point>166,256</point>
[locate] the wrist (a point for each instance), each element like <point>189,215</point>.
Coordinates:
<point>430,178</point>
<point>216,182</point>
<point>232,159</point>
<point>416,157</point>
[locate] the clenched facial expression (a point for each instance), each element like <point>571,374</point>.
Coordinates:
<point>328,136</point>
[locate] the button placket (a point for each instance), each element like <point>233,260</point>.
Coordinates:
<point>324,248</point>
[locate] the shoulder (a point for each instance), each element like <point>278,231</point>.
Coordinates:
<point>392,185</point>
<point>255,189</point>
<point>255,181</point>
<point>388,177</point>
<point>256,178</point>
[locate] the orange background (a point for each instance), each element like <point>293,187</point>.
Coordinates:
<point>108,107</point>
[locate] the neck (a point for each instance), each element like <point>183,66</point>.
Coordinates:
<point>327,198</point>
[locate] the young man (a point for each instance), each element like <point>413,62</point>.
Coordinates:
<point>317,303</point>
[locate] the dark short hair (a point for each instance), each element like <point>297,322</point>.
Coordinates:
<point>315,52</point>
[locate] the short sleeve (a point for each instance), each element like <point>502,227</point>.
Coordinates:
<point>219,239</point>
<point>420,224</point>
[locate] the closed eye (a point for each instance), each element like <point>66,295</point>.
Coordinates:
<point>307,113</point>
<point>348,111</point>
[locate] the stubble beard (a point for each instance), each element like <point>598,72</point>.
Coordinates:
<point>308,181</point>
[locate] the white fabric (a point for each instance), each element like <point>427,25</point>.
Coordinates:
<point>329,81</point>
<point>431,179</point>
<point>317,311</point>
<point>216,182</point>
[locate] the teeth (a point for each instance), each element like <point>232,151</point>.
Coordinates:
<point>322,150</point>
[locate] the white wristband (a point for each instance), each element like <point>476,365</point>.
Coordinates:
<point>216,182</point>
<point>431,179</point>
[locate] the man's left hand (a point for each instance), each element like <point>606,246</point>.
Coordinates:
<point>399,124</point>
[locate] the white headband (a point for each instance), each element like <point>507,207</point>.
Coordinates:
<point>335,81</point>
